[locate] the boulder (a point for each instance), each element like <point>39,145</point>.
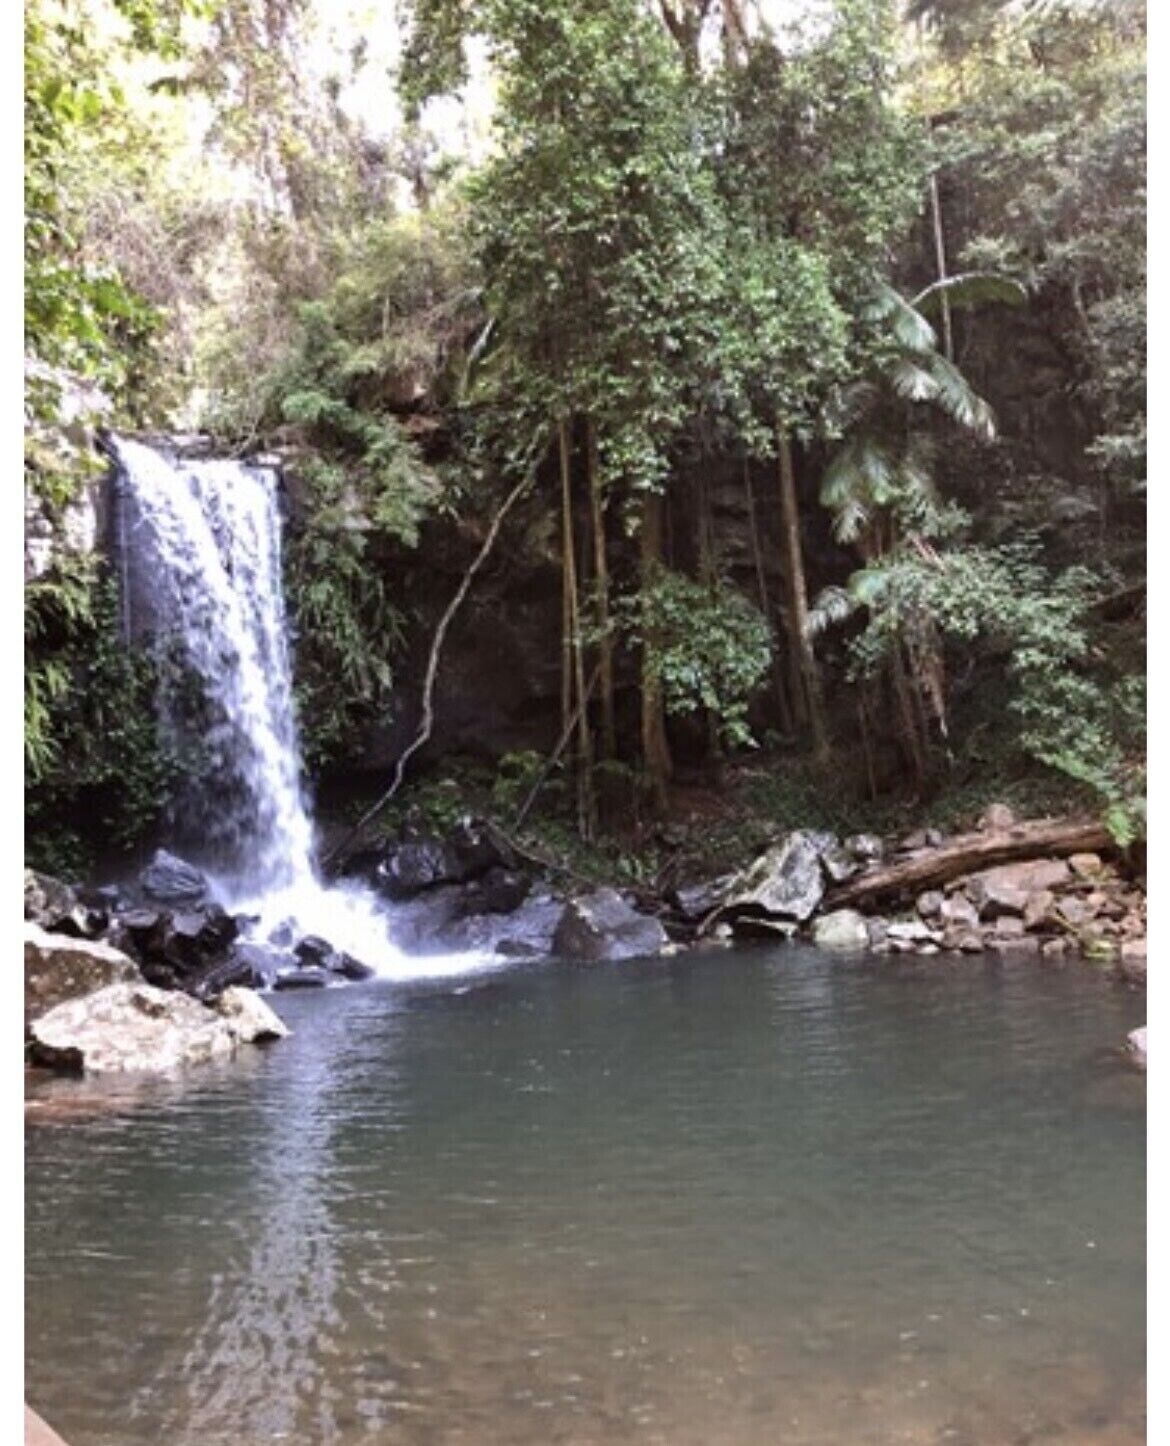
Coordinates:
<point>842,929</point>
<point>930,904</point>
<point>696,901</point>
<point>1038,908</point>
<point>470,850</point>
<point>350,968</point>
<point>250,1019</point>
<point>168,879</point>
<point>57,908</point>
<point>603,926</point>
<point>136,1027</point>
<point>1135,1044</point>
<point>312,949</point>
<point>310,977</point>
<point>411,867</point>
<point>911,932</point>
<point>58,968</point>
<point>785,882</point>
<point>864,848</point>
<point>1014,944</point>
<point>959,911</point>
<point>1086,866</point>
<point>838,863</point>
<point>499,891</point>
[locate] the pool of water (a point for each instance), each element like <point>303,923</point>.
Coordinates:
<point>762,1196</point>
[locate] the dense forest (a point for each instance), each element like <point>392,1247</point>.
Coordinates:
<point>790,358</point>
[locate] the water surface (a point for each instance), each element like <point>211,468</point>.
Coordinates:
<point>736,1198</point>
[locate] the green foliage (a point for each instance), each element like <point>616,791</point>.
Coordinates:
<point>98,773</point>
<point>707,645</point>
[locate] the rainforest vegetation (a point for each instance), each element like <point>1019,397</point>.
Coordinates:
<point>803,346</point>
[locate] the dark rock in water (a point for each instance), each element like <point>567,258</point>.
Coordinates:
<point>198,935</point>
<point>58,968</point>
<point>349,967</point>
<point>696,901</point>
<point>310,978</point>
<point>283,935</point>
<point>520,949</point>
<point>411,867</point>
<point>603,926</point>
<point>471,850</point>
<point>786,882</point>
<point>210,982</point>
<point>500,891</point>
<point>169,880</point>
<point>312,949</point>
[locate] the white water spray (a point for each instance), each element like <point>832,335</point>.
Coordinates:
<point>210,531</point>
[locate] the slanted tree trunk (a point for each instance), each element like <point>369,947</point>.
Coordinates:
<point>655,748</point>
<point>574,654</point>
<point>932,868</point>
<point>601,594</point>
<point>804,663</point>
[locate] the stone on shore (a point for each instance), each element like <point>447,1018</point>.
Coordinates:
<point>136,1027</point>
<point>842,929</point>
<point>1136,1045</point>
<point>58,968</point>
<point>785,882</point>
<point>602,926</point>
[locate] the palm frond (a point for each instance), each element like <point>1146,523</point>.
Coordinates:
<point>913,380</point>
<point>832,605</point>
<point>970,288</point>
<point>955,395</point>
<point>907,326</point>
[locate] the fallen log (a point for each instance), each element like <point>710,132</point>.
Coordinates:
<point>932,868</point>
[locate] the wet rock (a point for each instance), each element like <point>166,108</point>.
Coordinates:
<point>411,867</point>
<point>312,949</point>
<point>58,908</point>
<point>1074,911</point>
<point>248,966</point>
<point>1016,945</point>
<point>283,935</point>
<point>838,863</point>
<point>473,847</point>
<point>865,848</point>
<point>469,851</point>
<point>912,931</point>
<point>842,929</point>
<point>930,904</point>
<point>312,977</point>
<point>350,968</point>
<point>499,891</point>
<point>58,968</point>
<point>197,935</point>
<point>995,897</point>
<point>1132,961</point>
<point>136,1027</point>
<point>756,926</point>
<point>878,932</point>
<point>962,939</point>
<point>1054,948</point>
<point>1038,909</point>
<point>1008,926</point>
<point>250,1019</point>
<point>1136,1046</point>
<point>696,901</point>
<point>168,879</point>
<point>602,926</point>
<point>785,882</point>
<point>959,911</point>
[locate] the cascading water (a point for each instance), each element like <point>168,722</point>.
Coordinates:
<point>207,534</point>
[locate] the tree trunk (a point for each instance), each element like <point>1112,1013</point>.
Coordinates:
<point>601,601</point>
<point>655,749</point>
<point>931,868</point>
<point>940,253</point>
<point>574,657</point>
<point>785,712</point>
<point>800,645</point>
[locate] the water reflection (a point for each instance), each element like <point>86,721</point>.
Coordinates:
<point>767,1196</point>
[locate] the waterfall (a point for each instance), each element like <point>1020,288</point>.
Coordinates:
<point>206,537</point>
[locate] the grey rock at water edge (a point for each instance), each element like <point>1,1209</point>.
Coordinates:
<point>1136,1045</point>
<point>602,926</point>
<point>168,879</point>
<point>785,882</point>
<point>56,907</point>
<point>135,1027</point>
<point>842,929</point>
<point>58,968</point>
<point>696,901</point>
